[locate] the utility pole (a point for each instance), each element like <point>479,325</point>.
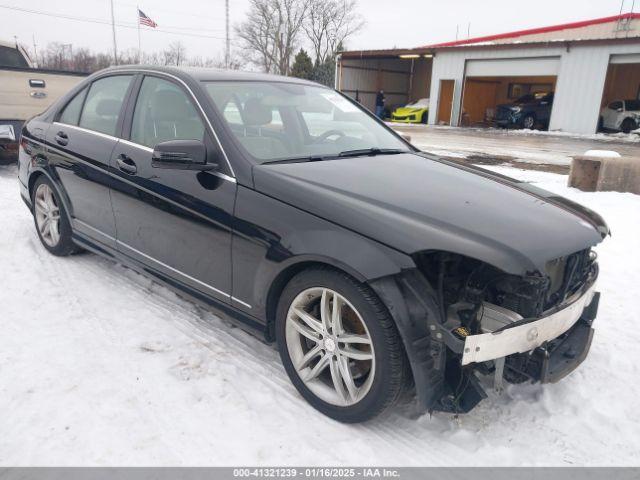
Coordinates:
<point>113,29</point>
<point>35,50</point>
<point>227,51</point>
<point>139,42</point>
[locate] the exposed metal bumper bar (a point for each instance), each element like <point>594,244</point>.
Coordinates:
<point>526,337</point>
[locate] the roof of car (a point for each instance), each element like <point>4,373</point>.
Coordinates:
<point>215,74</point>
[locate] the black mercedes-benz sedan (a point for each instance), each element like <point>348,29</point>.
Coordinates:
<point>288,208</point>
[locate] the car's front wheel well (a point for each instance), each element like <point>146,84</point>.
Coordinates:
<point>278,285</point>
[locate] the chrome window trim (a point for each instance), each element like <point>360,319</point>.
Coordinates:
<point>135,145</point>
<point>211,129</point>
<point>86,130</point>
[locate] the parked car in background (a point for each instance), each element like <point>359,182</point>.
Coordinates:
<point>414,112</point>
<point>528,111</point>
<point>378,269</point>
<point>621,116</point>
<point>26,91</point>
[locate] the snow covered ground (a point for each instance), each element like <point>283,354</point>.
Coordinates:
<point>101,366</point>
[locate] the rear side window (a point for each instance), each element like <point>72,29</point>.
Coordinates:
<point>11,57</point>
<point>104,100</point>
<point>164,112</point>
<point>71,113</point>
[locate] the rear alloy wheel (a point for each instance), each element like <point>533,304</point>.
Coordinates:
<point>529,122</point>
<point>51,220</point>
<point>339,346</point>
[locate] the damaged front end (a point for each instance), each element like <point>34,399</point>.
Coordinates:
<point>483,321</point>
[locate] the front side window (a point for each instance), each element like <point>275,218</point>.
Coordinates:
<point>164,112</point>
<point>103,104</point>
<point>615,105</point>
<point>279,121</point>
<point>71,113</point>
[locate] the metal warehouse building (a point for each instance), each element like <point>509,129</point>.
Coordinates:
<point>586,64</point>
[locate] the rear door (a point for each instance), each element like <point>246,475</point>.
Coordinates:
<point>79,145</point>
<point>176,222</point>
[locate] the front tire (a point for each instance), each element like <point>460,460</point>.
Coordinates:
<point>340,346</point>
<point>51,220</point>
<point>628,125</point>
<point>529,122</point>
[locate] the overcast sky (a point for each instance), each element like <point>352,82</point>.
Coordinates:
<point>390,23</point>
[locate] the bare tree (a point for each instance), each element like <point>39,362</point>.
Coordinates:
<point>271,32</point>
<point>329,23</point>
<point>175,54</point>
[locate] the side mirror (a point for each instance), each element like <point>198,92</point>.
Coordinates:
<point>182,155</point>
<point>620,110</point>
<point>407,138</point>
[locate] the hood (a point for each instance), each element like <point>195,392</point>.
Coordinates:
<point>412,203</point>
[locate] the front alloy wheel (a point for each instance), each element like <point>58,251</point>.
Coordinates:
<point>340,346</point>
<point>330,346</point>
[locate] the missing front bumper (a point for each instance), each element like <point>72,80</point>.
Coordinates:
<point>528,335</point>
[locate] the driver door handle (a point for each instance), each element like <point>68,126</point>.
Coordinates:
<point>126,165</point>
<point>62,138</point>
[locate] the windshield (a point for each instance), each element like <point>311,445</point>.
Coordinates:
<point>281,121</point>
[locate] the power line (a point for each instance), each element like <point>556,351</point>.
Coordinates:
<point>104,22</point>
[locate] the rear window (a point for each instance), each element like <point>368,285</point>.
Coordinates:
<point>11,57</point>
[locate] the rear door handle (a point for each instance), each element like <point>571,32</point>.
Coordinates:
<point>62,138</point>
<point>126,164</point>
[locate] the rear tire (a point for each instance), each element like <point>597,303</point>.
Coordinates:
<point>51,220</point>
<point>628,125</point>
<point>374,358</point>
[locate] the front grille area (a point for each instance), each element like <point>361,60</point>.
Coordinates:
<point>503,113</point>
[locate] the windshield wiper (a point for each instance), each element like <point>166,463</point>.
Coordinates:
<point>371,152</point>
<point>310,158</point>
<point>361,152</point>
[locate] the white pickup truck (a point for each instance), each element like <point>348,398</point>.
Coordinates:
<point>25,91</point>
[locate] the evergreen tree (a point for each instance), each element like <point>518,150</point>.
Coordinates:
<point>302,66</point>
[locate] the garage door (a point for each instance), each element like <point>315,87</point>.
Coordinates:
<point>513,67</point>
<point>622,59</point>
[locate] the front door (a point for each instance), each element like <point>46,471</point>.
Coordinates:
<point>177,222</point>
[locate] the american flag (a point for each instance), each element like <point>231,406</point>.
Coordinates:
<point>144,20</point>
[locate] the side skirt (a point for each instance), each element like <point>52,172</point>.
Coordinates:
<point>225,311</point>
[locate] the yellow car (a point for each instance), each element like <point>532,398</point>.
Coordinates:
<point>415,112</point>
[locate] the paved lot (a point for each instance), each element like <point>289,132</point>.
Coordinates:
<point>515,146</point>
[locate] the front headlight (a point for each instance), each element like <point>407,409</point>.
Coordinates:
<point>516,109</point>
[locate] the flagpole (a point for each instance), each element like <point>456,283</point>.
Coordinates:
<point>113,28</point>
<point>139,47</point>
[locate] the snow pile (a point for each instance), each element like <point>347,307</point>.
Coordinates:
<point>101,366</point>
<point>602,154</point>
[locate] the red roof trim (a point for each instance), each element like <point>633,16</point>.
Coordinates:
<point>534,31</point>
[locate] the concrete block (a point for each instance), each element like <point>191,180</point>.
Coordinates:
<point>597,173</point>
